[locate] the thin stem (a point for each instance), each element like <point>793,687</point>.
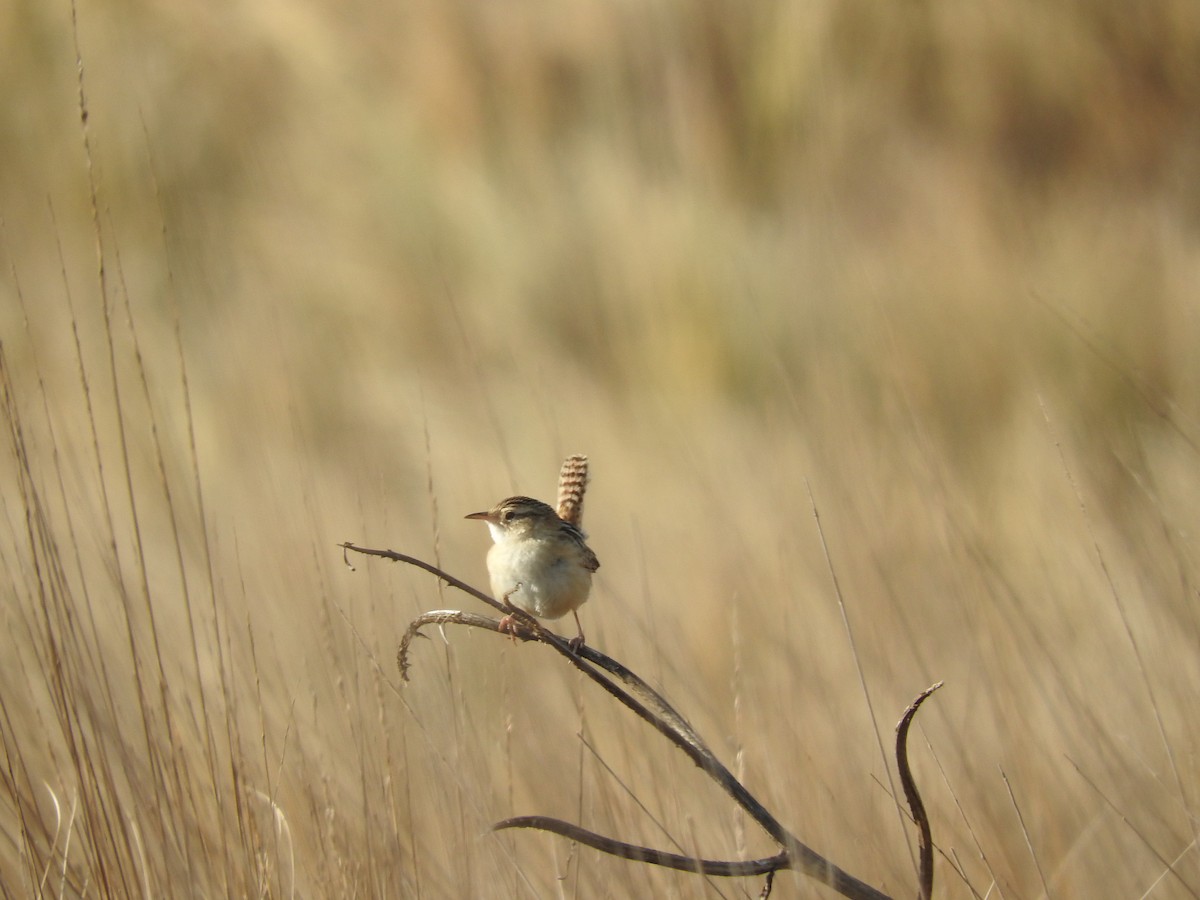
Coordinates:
<point>652,708</point>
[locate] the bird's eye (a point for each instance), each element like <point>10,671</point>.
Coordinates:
<point>506,516</point>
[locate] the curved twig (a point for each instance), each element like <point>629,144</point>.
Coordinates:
<point>665,720</point>
<point>421,564</point>
<point>718,867</point>
<point>438,617</point>
<point>631,691</point>
<point>915,804</point>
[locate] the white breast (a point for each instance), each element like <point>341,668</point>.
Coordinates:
<point>552,582</point>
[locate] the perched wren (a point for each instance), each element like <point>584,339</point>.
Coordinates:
<point>540,562</point>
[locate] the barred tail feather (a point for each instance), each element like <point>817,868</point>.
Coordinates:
<point>572,482</point>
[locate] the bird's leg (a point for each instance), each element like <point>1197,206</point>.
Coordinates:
<point>576,643</point>
<point>508,624</point>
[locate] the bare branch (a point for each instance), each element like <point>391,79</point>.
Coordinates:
<point>421,564</point>
<point>438,617</point>
<point>718,867</point>
<point>911,794</point>
<point>635,694</point>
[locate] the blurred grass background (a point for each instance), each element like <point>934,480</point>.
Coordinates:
<point>937,263</point>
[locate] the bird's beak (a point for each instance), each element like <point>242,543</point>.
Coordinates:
<point>485,516</point>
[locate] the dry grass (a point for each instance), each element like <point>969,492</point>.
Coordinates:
<point>937,262</point>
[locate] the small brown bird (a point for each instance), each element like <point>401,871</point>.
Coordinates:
<point>540,563</point>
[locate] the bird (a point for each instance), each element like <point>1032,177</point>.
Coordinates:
<point>540,562</point>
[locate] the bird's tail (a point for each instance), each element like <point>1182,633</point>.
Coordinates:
<point>572,482</point>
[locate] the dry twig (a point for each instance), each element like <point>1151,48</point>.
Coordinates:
<point>915,804</point>
<point>629,689</point>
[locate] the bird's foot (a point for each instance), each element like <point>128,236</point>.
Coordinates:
<point>508,625</point>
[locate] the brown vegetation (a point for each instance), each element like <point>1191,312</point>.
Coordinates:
<point>367,268</point>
